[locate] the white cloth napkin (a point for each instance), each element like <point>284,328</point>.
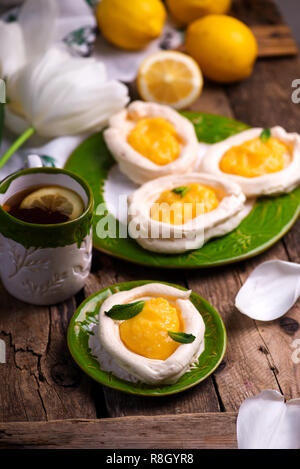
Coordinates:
<point>76,26</point>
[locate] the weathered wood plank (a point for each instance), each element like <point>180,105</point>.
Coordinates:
<point>39,381</point>
<point>292,243</point>
<point>263,100</point>
<point>265,97</point>
<point>201,398</point>
<point>212,100</point>
<point>274,40</point>
<point>253,12</point>
<point>187,431</point>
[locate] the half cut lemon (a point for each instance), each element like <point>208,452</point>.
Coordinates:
<point>171,78</point>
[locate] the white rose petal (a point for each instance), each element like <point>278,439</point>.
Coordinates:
<point>270,291</point>
<point>266,421</point>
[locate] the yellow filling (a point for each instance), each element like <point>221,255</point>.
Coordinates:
<point>147,333</point>
<point>255,158</point>
<point>156,139</point>
<point>179,208</point>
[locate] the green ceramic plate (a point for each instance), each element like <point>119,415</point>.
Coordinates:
<point>85,316</point>
<point>268,221</point>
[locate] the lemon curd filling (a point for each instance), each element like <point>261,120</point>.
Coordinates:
<point>179,205</point>
<point>255,158</point>
<point>156,139</point>
<point>147,333</point>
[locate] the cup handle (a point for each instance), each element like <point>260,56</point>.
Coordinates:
<point>34,161</point>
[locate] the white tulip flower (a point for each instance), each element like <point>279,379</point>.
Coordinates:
<point>58,94</point>
<point>62,95</point>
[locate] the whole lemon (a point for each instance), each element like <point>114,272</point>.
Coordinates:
<point>185,11</point>
<point>224,47</point>
<point>131,24</point>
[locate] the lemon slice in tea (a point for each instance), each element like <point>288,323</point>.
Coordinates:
<point>55,199</point>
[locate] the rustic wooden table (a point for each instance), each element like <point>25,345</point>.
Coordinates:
<point>46,401</point>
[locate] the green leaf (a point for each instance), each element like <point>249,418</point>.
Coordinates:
<point>48,161</point>
<point>182,337</point>
<point>265,135</point>
<point>182,190</point>
<point>92,3</point>
<point>128,311</point>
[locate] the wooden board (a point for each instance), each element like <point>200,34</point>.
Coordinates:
<point>39,380</point>
<point>201,431</point>
<point>274,40</point>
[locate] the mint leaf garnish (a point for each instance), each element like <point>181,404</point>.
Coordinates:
<point>127,311</point>
<point>265,135</point>
<point>182,337</point>
<point>182,190</point>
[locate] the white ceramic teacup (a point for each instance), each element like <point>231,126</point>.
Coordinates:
<point>45,264</point>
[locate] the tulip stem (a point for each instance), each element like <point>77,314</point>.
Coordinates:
<point>19,142</point>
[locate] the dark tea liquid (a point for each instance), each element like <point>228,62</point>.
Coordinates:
<point>34,215</point>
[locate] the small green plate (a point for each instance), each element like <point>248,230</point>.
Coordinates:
<point>269,220</point>
<point>86,315</point>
